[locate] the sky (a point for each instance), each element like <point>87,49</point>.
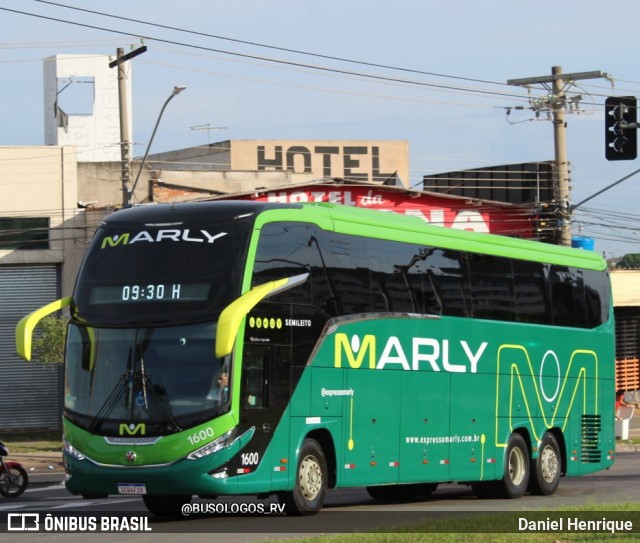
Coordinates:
<point>433,73</point>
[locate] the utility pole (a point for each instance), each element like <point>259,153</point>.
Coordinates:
<point>123,104</point>
<point>556,101</point>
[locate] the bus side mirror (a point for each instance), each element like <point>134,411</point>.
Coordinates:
<point>232,315</point>
<point>24,329</point>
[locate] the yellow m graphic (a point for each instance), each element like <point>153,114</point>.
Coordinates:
<point>575,391</point>
<point>343,345</point>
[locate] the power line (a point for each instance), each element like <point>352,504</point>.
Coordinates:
<point>262,58</point>
<point>273,47</point>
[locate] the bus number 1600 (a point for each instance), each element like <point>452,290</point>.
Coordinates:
<point>201,436</point>
<point>249,459</point>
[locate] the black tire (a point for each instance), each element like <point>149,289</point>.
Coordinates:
<point>483,491</point>
<point>516,469</point>
<point>547,468</point>
<point>422,490</point>
<point>309,492</point>
<point>403,492</point>
<point>165,506</point>
<point>13,481</point>
<point>378,493</point>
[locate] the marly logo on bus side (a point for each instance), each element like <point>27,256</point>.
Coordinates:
<point>411,355</point>
<point>161,235</point>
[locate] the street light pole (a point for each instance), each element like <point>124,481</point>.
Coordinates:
<point>176,90</point>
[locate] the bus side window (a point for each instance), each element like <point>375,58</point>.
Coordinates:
<point>252,388</point>
<point>282,252</point>
<point>323,292</point>
<point>531,292</point>
<point>567,297</point>
<point>265,377</point>
<point>491,287</point>
<point>390,263</point>
<point>449,274</point>
<point>596,297</point>
<point>348,267</point>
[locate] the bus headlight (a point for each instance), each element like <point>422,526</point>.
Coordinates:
<point>217,444</point>
<point>71,450</point>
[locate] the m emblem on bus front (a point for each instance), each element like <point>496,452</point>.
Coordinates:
<point>133,429</point>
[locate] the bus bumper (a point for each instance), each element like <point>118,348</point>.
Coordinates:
<point>200,472</point>
<point>183,477</point>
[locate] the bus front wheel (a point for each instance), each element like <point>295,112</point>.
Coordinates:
<point>516,469</point>
<point>546,469</point>
<point>307,496</point>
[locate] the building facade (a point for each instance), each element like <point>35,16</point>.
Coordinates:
<point>41,243</point>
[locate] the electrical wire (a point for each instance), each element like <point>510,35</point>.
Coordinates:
<point>272,47</point>
<point>263,58</point>
<point>311,67</point>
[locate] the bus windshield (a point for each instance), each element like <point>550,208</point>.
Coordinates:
<point>167,378</point>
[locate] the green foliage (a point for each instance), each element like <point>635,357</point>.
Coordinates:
<point>629,261</point>
<point>49,339</point>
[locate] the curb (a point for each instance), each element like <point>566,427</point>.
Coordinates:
<point>627,447</point>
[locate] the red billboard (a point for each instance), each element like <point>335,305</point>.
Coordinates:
<point>449,211</point>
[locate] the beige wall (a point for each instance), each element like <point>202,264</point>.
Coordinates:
<point>176,186</point>
<point>100,183</point>
<point>38,180</point>
<point>625,288</point>
<point>42,182</point>
<point>357,160</point>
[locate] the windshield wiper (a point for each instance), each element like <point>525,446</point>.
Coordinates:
<point>109,403</point>
<point>147,384</point>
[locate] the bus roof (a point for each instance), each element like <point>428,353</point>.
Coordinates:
<point>361,222</point>
<point>394,226</point>
<point>190,211</point>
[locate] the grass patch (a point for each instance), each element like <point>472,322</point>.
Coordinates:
<point>631,441</point>
<point>25,443</point>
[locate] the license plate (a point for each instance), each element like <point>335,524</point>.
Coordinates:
<point>131,488</point>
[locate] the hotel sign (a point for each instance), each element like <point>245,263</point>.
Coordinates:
<point>357,161</point>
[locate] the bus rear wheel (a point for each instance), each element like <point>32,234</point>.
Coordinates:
<point>310,489</point>
<point>165,506</point>
<point>547,468</point>
<point>516,469</point>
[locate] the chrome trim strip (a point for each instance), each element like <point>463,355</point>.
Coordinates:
<point>133,441</point>
<point>118,466</point>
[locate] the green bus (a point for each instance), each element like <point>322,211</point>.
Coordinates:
<point>250,348</point>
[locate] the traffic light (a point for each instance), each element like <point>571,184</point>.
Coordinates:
<point>620,128</point>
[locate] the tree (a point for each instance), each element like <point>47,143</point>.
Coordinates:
<point>629,261</point>
<point>49,339</point>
